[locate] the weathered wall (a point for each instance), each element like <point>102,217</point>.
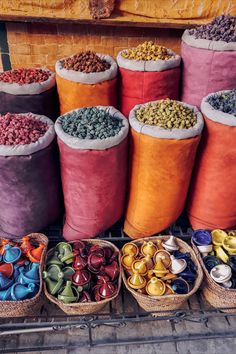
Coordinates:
<point>42,44</point>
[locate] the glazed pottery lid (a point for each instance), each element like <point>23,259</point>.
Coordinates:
<point>155,287</point>
<point>218,236</point>
<point>165,257</point>
<point>221,273</point>
<point>201,237</point>
<point>180,286</point>
<point>210,262</point>
<point>232,263</point>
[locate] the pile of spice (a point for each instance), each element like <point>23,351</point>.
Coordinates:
<point>222,28</point>
<point>20,129</point>
<point>167,114</point>
<point>91,123</point>
<point>224,102</point>
<point>86,62</point>
<point>147,51</point>
<point>25,76</point>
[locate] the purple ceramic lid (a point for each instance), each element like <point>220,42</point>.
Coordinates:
<point>201,237</point>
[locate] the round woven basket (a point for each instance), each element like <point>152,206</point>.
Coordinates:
<point>85,308</point>
<point>160,305</point>
<point>28,307</point>
<point>214,293</point>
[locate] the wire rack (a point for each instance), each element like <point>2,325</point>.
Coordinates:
<point>122,322</point>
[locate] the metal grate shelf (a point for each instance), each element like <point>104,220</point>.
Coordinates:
<point>122,322</point>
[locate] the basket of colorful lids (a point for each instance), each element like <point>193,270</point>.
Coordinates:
<point>81,277</point>
<point>216,251</point>
<point>21,264</point>
<point>161,272</point>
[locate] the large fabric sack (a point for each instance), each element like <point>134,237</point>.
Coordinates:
<point>77,89</point>
<point>208,66</point>
<point>30,190</point>
<point>212,199</point>
<point>39,98</point>
<point>161,163</point>
<point>93,180</point>
<point>143,81</point>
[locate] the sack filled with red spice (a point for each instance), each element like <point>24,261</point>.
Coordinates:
<point>30,190</point>
<point>29,90</point>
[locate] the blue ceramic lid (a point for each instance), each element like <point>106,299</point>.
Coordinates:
<point>12,254</point>
<point>201,237</point>
<point>210,262</point>
<point>180,286</point>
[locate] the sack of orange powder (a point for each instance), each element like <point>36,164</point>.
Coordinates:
<point>86,79</point>
<point>161,162</point>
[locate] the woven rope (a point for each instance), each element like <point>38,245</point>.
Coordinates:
<point>165,302</point>
<point>28,307</point>
<point>85,308</point>
<point>214,293</point>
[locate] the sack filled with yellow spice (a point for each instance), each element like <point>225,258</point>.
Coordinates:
<point>163,143</point>
<point>148,72</point>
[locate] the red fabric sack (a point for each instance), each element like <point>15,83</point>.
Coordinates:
<point>212,194</point>
<point>93,179</point>
<point>145,81</point>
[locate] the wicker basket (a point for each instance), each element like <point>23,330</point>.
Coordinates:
<point>214,293</point>
<point>28,307</point>
<point>85,308</point>
<point>160,305</point>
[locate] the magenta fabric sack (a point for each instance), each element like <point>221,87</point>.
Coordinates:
<point>94,174</point>
<point>39,98</point>
<point>208,66</point>
<point>30,189</point>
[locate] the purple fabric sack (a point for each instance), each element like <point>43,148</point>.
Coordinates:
<point>30,186</point>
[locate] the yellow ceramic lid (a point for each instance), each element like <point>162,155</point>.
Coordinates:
<point>127,260</point>
<point>136,281</point>
<point>220,253</point>
<point>130,248</point>
<point>155,287</point>
<point>141,266</point>
<point>148,248</point>
<point>229,243</point>
<point>218,236</point>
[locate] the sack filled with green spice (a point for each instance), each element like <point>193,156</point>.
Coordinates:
<point>93,155</point>
<point>164,139</point>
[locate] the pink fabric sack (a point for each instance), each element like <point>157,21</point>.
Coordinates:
<point>94,174</point>
<point>208,66</point>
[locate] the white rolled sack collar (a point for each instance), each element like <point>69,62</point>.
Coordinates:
<point>207,44</point>
<point>216,115</point>
<point>159,132</point>
<point>149,65</point>
<point>94,144</point>
<point>88,78</point>
<point>29,89</point>
<point>28,149</point>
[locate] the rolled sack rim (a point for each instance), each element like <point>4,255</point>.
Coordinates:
<point>28,149</point>
<point>35,88</point>
<point>148,65</point>
<point>158,132</point>
<point>93,144</point>
<point>207,44</point>
<point>88,78</point>
<point>217,115</point>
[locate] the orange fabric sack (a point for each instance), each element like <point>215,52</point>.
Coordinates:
<point>212,199</point>
<point>143,81</point>
<point>78,89</point>
<point>161,163</point>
